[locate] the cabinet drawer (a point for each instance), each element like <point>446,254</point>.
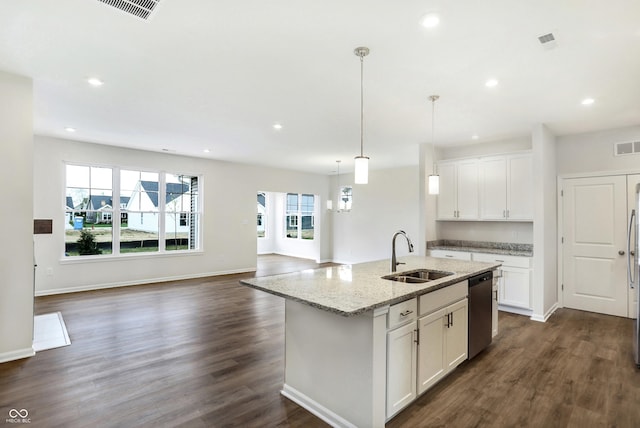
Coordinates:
<point>513,261</point>
<point>445,296</point>
<point>402,312</point>
<point>458,255</point>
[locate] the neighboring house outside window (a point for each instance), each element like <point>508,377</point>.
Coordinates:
<point>300,216</point>
<point>153,218</point>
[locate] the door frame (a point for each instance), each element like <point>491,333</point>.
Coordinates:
<point>560,217</point>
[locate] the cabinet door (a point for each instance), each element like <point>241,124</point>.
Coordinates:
<point>447,206</point>
<point>456,339</point>
<point>516,287</point>
<point>401,367</point>
<point>520,187</point>
<point>493,188</point>
<point>467,181</point>
<point>431,366</point>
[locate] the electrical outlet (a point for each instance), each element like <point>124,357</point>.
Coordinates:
<point>49,271</point>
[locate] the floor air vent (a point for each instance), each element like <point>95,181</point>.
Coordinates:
<point>139,8</point>
<point>627,148</point>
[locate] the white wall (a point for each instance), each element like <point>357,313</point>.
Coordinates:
<point>390,201</point>
<point>593,152</point>
<point>545,254</point>
<point>16,217</point>
<point>229,220</point>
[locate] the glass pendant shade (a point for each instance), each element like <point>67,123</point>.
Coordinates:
<point>434,184</point>
<point>362,170</point>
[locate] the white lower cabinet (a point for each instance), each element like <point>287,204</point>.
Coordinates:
<point>514,282</point>
<point>421,352</point>
<point>401,367</point>
<point>442,343</point>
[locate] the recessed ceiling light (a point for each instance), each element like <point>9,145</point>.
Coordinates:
<point>70,129</point>
<point>491,83</point>
<point>588,101</point>
<point>430,20</point>
<point>277,126</point>
<point>94,81</point>
<point>207,151</point>
<point>474,137</point>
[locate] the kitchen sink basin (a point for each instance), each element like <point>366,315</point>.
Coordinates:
<point>417,276</point>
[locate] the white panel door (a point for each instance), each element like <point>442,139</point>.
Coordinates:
<point>632,181</point>
<point>493,188</point>
<point>595,232</point>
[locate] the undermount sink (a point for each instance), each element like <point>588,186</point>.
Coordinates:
<point>417,276</point>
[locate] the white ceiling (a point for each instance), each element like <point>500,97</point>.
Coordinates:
<point>204,74</point>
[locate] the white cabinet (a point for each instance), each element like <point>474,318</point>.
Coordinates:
<point>401,355</point>
<point>514,280</point>
<point>401,367</point>
<point>420,353</point>
<point>446,254</point>
<point>458,196</point>
<point>506,185</point>
<point>442,334</point>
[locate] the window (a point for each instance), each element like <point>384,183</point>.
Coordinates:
<point>262,215</point>
<point>158,212</point>
<point>300,216</point>
<point>346,198</point>
<point>88,209</point>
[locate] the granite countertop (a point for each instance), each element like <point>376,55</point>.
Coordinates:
<point>504,248</point>
<point>353,289</point>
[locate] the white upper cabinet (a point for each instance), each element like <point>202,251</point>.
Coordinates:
<point>506,186</point>
<point>458,198</point>
<point>520,187</point>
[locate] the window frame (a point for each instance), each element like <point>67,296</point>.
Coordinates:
<point>118,211</point>
<point>296,218</point>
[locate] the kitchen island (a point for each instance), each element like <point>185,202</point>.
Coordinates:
<point>344,324</point>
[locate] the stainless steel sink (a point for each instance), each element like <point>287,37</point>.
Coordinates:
<point>417,276</point>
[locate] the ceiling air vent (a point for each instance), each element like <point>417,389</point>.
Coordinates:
<point>139,8</point>
<point>627,148</point>
<point>546,38</point>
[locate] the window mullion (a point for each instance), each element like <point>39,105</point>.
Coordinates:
<point>162,215</point>
<point>115,215</point>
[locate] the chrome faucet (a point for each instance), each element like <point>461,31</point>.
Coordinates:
<point>395,263</point>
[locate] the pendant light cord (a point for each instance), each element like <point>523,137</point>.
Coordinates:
<point>433,99</point>
<point>361,105</point>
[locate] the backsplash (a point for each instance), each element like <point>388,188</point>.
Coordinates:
<point>507,246</point>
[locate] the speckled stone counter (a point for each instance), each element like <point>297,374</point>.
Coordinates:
<point>505,248</point>
<point>353,289</point>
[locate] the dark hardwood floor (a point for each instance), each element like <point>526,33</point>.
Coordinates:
<point>209,353</point>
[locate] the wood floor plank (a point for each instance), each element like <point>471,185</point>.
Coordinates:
<point>210,353</point>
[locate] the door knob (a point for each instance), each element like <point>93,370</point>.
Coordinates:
<point>621,252</point>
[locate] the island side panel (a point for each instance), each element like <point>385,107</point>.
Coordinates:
<point>335,366</point>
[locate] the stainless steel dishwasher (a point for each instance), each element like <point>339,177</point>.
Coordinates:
<point>480,299</point>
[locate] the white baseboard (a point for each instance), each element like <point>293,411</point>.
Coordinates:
<point>90,287</point>
<point>545,317</point>
<point>314,407</point>
<point>17,355</point>
<point>514,310</point>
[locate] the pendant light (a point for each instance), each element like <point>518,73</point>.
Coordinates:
<point>434,179</point>
<point>362,161</point>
